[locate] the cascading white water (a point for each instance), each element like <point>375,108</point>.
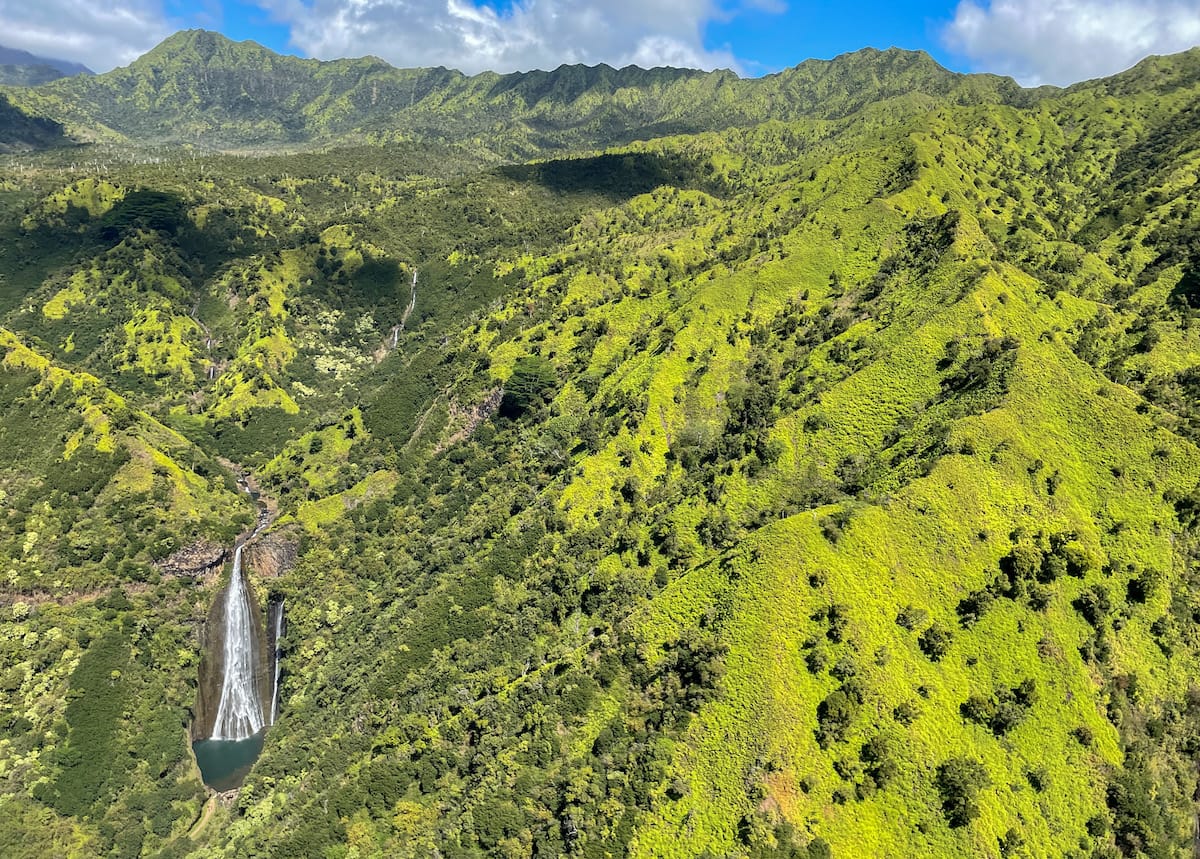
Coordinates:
<point>278,653</point>
<point>239,713</point>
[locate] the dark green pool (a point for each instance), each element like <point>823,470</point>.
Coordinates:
<point>224,763</point>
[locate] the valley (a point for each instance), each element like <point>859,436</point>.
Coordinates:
<point>645,463</point>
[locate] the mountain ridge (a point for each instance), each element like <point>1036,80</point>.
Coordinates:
<point>199,87</point>
<point>21,68</point>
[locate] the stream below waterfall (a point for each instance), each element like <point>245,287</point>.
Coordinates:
<point>234,714</point>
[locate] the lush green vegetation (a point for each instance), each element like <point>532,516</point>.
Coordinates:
<point>818,478</point>
<point>226,94</point>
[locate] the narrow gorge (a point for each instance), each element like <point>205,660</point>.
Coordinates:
<point>238,692</point>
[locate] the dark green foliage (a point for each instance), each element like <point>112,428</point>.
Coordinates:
<point>990,364</point>
<point>836,713</point>
<point>1093,604</point>
<point>144,209</point>
<point>85,473</point>
<point>958,782</point>
<point>90,761</point>
<point>495,820</point>
<point>787,842</point>
<point>531,384</point>
<point>21,129</point>
<point>972,607</point>
<point>1004,709</point>
<point>1139,825</point>
<point>1010,842</point>
<point>878,756</point>
<point>1186,292</point>
<point>935,641</point>
<point>616,176</point>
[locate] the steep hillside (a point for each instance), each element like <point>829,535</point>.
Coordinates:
<point>22,130</point>
<point>816,485</point>
<point>199,87</point>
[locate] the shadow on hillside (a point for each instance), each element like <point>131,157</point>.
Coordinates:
<point>616,176</point>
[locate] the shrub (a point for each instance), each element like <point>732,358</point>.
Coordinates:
<point>910,617</point>
<point>935,641</point>
<point>958,782</point>
<point>836,713</point>
<point>1004,709</point>
<point>974,606</point>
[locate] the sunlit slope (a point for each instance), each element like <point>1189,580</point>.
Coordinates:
<point>198,87</point>
<point>1063,455</point>
<point>890,567</point>
<point>83,464</point>
<point>818,487</point>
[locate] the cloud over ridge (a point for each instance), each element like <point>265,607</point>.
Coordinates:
<point>100,35</point>
<point>528,34</point>
<point>1065,41</point>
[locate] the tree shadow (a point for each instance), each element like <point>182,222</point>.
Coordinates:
<point>615,176</point>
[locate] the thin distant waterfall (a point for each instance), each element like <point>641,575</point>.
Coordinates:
<point>278,654</point>
<point>240,713</point>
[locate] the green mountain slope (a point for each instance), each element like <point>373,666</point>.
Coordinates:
<point>24,130</point>
<point>198,87</point>
<point>821,481</point>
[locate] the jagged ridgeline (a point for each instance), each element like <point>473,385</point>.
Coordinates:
<point>815,477</point>
<point>200,88</point>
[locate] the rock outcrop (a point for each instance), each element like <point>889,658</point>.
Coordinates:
<point>463,421</point>
<point>271,555</point>
<point>198,559</point>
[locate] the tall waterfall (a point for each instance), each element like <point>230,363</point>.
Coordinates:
<point>240,713</point>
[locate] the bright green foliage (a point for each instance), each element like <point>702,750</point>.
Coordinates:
<point>817,476</point>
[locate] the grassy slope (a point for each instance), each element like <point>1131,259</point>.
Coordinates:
<point>836,374</point>
<point>685,286</point>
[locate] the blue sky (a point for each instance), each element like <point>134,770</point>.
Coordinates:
<point>762,40</point>
<point>767,41</point>
<point>1036,41</point>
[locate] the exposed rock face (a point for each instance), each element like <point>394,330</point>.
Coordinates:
<point>463,421</point>
<point>198,559</point>
<point>272,555</point>
<point>212,663</point>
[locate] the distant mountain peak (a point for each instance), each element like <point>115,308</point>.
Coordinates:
<point>21,68</point>
<point>202,44</point>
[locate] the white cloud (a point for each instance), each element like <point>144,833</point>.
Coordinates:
<point>527,34</point>
<point>100,34</point>
<point>1064,41</point>
<point>530,34</point>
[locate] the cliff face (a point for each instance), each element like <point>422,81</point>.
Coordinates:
<point>198,559</point>
<point>271,555</point>
<point>212,663</point>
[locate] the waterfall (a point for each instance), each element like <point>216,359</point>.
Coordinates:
<point>240,713</point>
<point>278,654</point>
